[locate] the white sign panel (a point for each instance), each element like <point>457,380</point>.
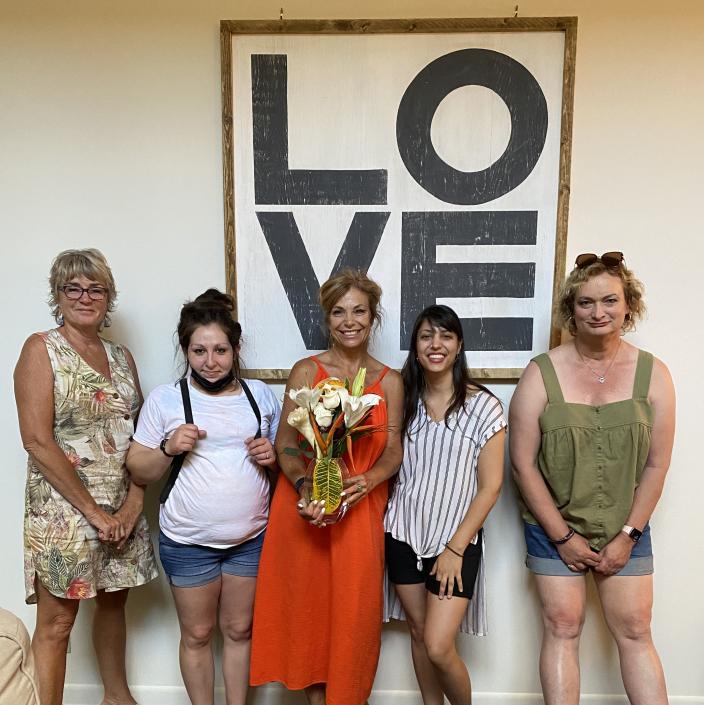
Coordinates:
<point>430,160</point>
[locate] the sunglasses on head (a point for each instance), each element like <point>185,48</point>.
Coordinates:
<point>609,259</point>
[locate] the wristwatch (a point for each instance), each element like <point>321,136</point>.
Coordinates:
<point>632,533</point>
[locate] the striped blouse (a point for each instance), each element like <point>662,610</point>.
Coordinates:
<point>434,488</point>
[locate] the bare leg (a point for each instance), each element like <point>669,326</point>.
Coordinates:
<point>413,600</point>
<point>109,639</point>
<point>197,609</point>
<point>236,605</point>
<point>563,600</point>
<point>55,619</point>
<point>442,622</point>
<point>316,694</point>
<point>627,602</point>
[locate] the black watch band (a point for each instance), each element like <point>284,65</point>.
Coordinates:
<point>162,448</point>
<point>299,483</point>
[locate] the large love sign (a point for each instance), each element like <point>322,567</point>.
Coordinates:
<point>436,161</point>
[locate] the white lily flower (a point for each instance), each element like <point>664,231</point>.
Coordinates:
<point>330,398</point>
<point>305,396</point>
<point>323,416</point>
<point>300,420</point>
<point>355,408</point>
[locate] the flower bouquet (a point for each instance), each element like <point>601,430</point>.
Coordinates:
<point>329,417</point>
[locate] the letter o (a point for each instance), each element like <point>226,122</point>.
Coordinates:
<point>527,106</point>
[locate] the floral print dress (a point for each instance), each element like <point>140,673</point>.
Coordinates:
<point>93,422</point>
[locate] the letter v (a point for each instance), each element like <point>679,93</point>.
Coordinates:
<point>296,271</point>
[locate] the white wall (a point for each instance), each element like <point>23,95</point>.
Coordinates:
<point>110,137</point>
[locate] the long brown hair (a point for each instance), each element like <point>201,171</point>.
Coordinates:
<point>413,375</point>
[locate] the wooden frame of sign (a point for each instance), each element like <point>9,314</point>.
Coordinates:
<point>264,197</point>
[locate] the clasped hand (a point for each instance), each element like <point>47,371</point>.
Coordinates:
<point>114,528</point>
<point>356,488</point>
<point>579,556</point>
<point>313,511</point>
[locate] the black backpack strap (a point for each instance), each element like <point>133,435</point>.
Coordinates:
<point>177,462</point>
<point>185,395</point>
<point>255,408</point>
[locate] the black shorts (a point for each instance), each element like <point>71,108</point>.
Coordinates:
<point>402,564</point>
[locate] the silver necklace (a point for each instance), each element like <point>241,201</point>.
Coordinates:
<point>601,378</point>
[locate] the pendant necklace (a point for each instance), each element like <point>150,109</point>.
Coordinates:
<point>601,378</point>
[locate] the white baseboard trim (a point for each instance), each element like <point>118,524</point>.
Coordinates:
<point>76,694</point>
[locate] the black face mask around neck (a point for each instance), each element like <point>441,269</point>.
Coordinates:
<point>216,386</point>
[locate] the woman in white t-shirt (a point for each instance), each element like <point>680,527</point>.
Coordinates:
<point>212,522</point>
<point>450,478</point>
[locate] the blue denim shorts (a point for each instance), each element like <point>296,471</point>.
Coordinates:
<point>191,565</point>
<point>543,559</point>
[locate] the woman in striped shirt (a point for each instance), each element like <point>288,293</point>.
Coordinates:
<point>450,478</point>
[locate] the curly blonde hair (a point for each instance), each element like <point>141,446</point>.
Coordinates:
<point>632,289</point>
<point>89,263</point>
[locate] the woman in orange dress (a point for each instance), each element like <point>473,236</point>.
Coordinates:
<point>319,601</point>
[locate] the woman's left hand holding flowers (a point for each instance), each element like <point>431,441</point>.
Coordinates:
<point>357,488</point>
<point>261,451</point>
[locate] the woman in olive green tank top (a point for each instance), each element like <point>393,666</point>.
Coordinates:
<point>592,426</point>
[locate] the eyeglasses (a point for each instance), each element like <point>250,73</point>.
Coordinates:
<point>609,259</point>
<point>74,292</point>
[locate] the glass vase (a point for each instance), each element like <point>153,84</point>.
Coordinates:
<point>324,480</point>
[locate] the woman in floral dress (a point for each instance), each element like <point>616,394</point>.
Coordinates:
<point>84,536</point>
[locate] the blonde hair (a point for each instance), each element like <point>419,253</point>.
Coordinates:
<point>632,290</point>
<point>89,263</point>
<point>337,286</point>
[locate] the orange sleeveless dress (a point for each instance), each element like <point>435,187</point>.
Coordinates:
<point>319,601</point>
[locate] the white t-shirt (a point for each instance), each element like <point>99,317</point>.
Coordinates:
<point>221,496</point>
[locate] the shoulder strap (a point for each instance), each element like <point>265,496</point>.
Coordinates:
<point>319,365</point>
<point>177,462</point>
<point>644,371</point>
<point>255,408</point>
<point>51,344</point>
<point>382,375</point>
<point>185,395</point>
<point>552,385</point>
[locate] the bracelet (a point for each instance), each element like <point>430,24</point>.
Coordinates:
<point>162,448</point>
<point>452,550</point>
<point>564,539</point>
<point>299,483</point>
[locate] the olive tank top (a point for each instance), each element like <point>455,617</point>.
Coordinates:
<point>592,457</point>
